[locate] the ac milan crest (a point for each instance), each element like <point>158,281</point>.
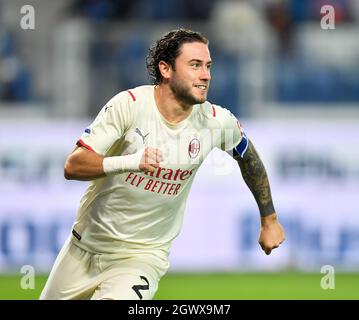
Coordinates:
<point>194,147</point>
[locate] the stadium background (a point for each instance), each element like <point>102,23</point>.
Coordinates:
<point>294,87</point>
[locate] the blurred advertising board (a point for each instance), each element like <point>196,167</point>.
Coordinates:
<point>313,169</point>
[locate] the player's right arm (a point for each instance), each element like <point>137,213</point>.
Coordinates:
<point>89,161</point>
<point>83,164</point>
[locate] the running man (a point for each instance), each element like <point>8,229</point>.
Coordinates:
<point>141,155</point>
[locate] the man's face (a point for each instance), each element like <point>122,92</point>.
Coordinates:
<point>190,79</point>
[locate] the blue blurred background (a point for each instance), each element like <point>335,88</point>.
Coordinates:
<point>293,85</point>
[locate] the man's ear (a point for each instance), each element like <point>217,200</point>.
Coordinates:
<point>165,69</point>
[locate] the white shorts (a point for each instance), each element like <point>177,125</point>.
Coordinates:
<point>79,274</point>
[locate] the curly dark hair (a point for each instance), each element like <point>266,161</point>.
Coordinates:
<point>168,49</point>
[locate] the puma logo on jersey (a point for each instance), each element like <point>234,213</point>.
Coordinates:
<point>141,135</point>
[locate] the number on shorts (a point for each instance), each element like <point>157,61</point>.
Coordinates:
<point>137,288</point>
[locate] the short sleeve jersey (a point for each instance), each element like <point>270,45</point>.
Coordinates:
<point>141,209</point>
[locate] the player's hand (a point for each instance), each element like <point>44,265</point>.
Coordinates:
<point>271,234</point>
<point>150,159</point>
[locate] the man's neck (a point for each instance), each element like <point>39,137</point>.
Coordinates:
<point>169,107</point>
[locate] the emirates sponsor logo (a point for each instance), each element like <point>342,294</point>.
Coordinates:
<point>194,147</point>
<point>162,181</point>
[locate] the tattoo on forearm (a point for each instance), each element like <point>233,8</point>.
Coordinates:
<point>255,176</point>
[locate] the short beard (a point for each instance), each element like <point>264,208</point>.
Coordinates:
<point>182,93</point>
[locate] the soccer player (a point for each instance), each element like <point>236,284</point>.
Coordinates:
<point>141,154</point>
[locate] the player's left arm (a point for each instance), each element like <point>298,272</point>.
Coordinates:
<point>255,175</point>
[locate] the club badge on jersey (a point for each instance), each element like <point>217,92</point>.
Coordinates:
<point>194,147</point>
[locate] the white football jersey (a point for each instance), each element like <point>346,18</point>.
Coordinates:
<point>138,210</point>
